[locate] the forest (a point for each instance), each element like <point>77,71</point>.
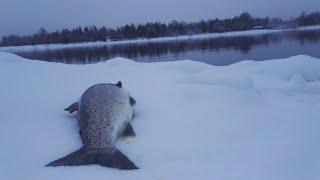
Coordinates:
<point>158,29</point>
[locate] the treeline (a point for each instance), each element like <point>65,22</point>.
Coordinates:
<point>153,30</point>
<point>308,19</point>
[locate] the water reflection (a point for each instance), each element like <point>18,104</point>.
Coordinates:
<point>208,50</point>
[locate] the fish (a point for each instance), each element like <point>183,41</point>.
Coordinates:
<point>105,111</point>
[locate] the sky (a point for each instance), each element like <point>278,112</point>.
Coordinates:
<point>27,16</point>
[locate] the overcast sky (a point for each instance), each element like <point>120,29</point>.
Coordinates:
<point>27,16</point>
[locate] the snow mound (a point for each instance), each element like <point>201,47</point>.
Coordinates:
<point>250,120</point>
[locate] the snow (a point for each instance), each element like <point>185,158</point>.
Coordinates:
<point>249,120</point>
<point>161,39</point>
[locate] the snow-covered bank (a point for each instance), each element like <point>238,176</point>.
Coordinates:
<point>161,39</point>
<point>249,120</point>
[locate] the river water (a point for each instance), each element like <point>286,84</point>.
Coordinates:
<point>216,51</point>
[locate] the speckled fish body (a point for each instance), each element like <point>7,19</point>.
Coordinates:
<point>104,114</point>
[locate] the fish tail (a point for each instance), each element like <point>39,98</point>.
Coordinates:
<point>115,160</point>
<point>83,156</point>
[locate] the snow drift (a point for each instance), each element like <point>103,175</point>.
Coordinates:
<point>250,120</point>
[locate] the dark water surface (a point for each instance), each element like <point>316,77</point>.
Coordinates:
<point>215,51</point>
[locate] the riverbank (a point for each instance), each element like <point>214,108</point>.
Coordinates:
<point>162,39</point>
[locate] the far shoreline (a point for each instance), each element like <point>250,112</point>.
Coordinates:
<point>43,47</point>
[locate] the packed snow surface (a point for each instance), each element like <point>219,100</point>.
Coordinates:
<point>247,121</point>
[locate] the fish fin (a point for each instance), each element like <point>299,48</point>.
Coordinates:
<point>73,107</point>
<point>80,157</point>
<point>113,159</point>
<point>132,101</point>
<point>119,84</point>
<point>128,131</point>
